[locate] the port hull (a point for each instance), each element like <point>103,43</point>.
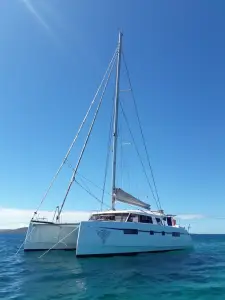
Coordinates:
<point>46,235</point>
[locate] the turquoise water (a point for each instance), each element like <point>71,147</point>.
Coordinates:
<point>197,274</point>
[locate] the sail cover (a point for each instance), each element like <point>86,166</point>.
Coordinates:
<point>127,198</point>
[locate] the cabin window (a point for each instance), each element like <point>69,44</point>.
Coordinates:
<point>109,217</point>
<point>169,221</point>
<point>158,220</point>
<point>145,219</point>
<point>130,231</point>
<point>121,217</point>
<point>151,232</point>
<point>103,217</point>
<point>176,234</point>
<point>133,218</point>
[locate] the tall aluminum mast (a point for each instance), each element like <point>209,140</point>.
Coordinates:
<point>115,123</point>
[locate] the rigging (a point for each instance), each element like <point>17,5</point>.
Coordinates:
<point>142,134</point>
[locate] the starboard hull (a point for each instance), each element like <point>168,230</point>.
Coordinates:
<point>116,238</point>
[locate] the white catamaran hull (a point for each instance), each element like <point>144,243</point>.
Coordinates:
<point>110,238</point>
<point>45,235</point>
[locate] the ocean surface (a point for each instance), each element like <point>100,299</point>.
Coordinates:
<point>196,274</point>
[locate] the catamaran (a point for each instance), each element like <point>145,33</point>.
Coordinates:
<point>110,232</point>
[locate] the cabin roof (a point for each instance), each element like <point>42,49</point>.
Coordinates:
<point>137,212</point>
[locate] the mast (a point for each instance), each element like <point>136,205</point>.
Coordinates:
<point>115,122</point>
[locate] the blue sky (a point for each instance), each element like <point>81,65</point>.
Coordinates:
<point>53,55</point>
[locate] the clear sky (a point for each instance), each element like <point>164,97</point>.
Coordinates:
<point>52,57</point>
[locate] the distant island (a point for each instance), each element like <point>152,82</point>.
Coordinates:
<point>17,230</point>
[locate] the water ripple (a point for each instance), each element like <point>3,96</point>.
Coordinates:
<point>197,274</point>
